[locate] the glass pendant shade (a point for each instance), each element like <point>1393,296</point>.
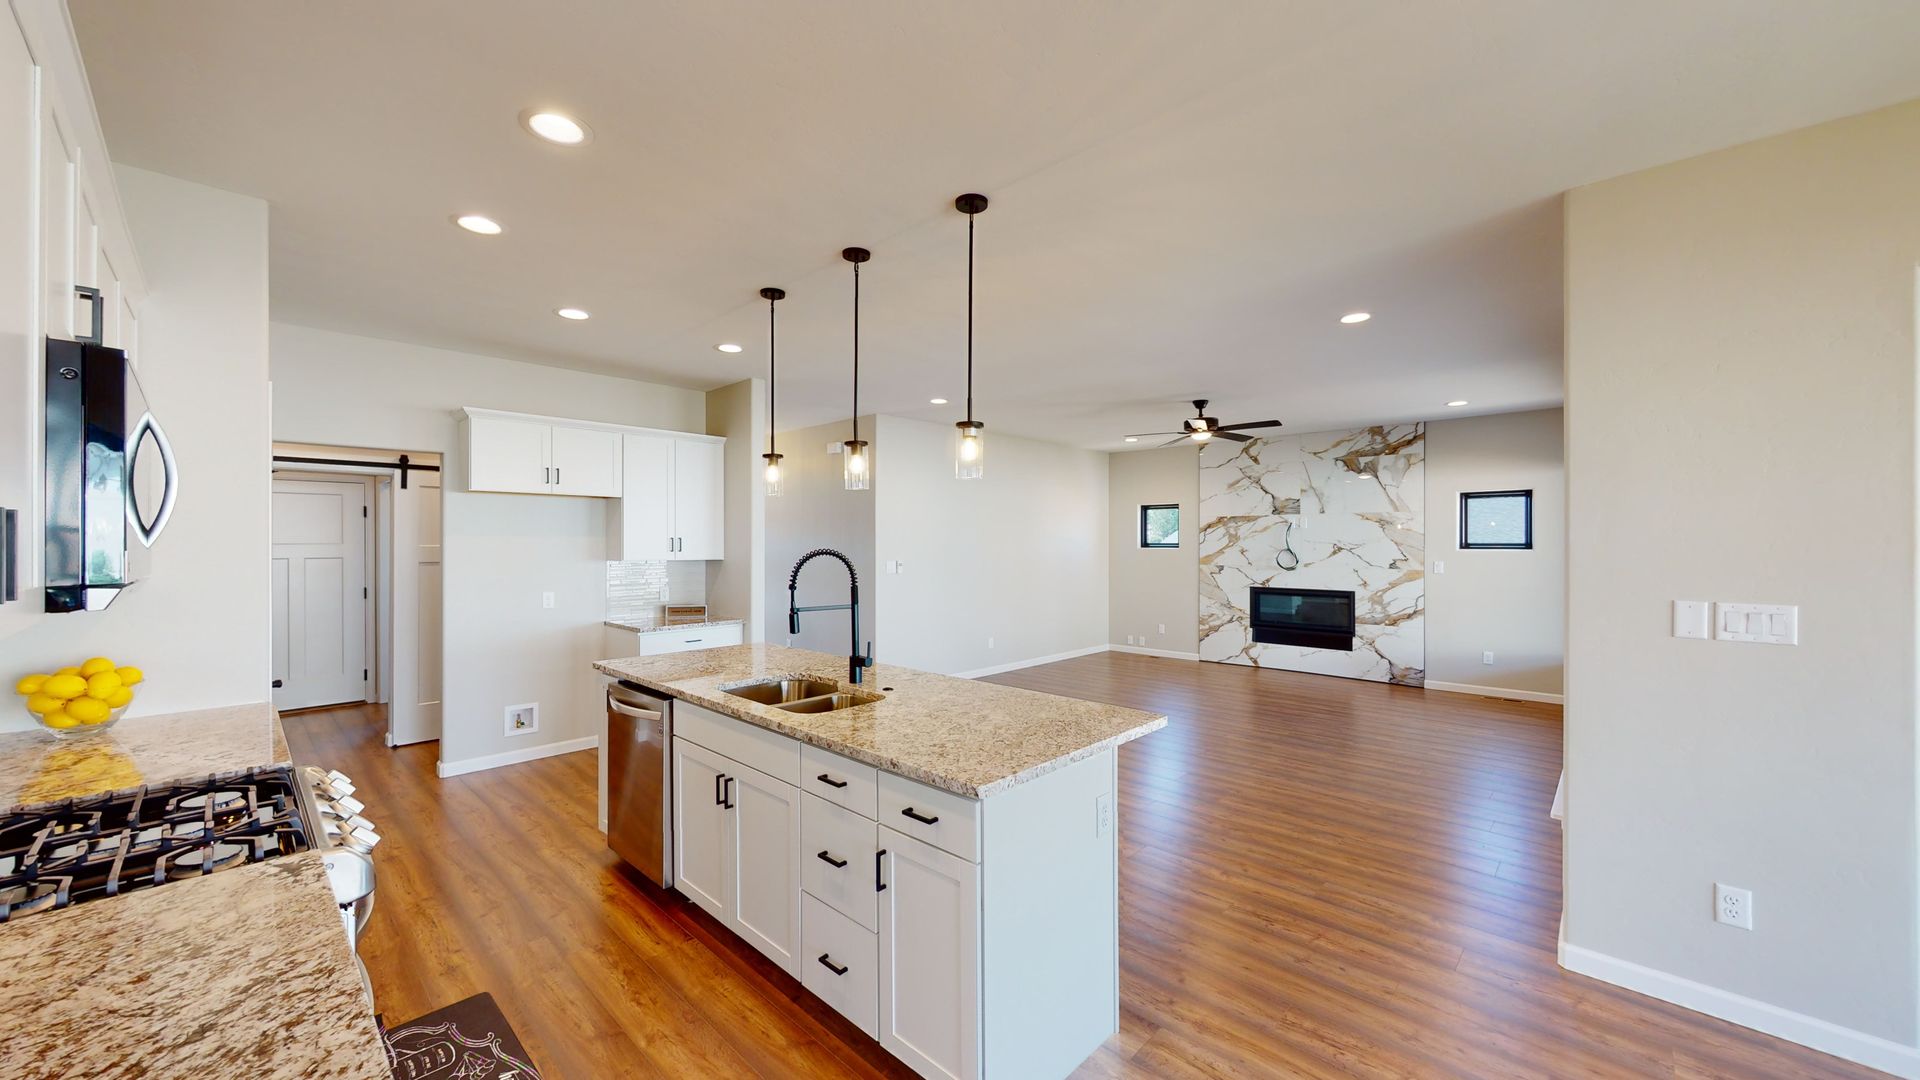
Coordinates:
<point>773,473</point>
<point>969,450</point>
<point>859,465</point>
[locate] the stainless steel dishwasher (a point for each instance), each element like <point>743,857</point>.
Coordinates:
<point>640,779</point>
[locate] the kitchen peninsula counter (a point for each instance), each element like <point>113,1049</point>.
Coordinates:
<point>36,767</point>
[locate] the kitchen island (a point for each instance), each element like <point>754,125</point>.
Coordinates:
<point>933,857</point>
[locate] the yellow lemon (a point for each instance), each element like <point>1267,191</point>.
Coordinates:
<point>42,704</point>
<point>68,671</point>
<point>121,699</point>
<point>58,719</point>
<point>88,710</point>
<point>95,666</point>
<point>29,684</point>
<point>131,676</point>
<point>102,685</point>
<point>64,687</point>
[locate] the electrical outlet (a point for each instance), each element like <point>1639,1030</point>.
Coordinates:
<point>1486,658</point>
<point>1163,628</point>
<point>989,643</point>
<point>546,600</point>
<point>1439,566</point>
<point>523,719</point>
<point>1102,814</point>
<point>1732,906</point>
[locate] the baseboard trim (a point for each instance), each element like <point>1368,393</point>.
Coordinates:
<point>445,769</point>
<point>1857,1046</point>
<point>1497,692</point>
<point>1141,650</point>
<point>1035,662</point>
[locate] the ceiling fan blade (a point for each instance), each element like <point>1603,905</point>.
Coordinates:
<point>1176,441</point>
<point>1151,434</point>
<point>1254,424</point>
<point>1234,435</point>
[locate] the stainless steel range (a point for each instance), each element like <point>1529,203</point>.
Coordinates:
<point>69,852</point>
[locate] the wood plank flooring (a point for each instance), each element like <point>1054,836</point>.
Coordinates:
<point>1319,878</point>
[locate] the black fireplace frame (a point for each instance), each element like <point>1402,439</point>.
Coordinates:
<point>1307,635</point>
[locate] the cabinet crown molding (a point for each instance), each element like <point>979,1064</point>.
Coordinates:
<point>469,411</point>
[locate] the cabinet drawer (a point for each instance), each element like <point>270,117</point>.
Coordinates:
<point>947,821</point>
<point>661,642</point>
<point>831,835</point>
<point>839,780</point>
<point>775,755</point>
<point>840,962</point>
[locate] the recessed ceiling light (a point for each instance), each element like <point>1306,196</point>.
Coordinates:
<point>573,313</point>
<point>1352,317</point>
<point>1133,438</point>
<point>728,347</point>
<point>555,127</point>
<point>478,223</point>
<point>937,401</point>
<point>1455,404</point>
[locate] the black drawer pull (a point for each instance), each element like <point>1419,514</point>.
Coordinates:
<point>830,781</point>
<point>837,864</point>
<point>719,780</point>
<point>837,969</point>
<point>922,820</point>
<point>729,790</point>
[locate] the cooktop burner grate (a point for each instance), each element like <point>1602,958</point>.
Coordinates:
<point>105,845</point>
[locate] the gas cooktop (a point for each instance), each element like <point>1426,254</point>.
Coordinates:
<point>106,845</point>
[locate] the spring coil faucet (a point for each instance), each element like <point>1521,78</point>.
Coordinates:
<point>857,662</point>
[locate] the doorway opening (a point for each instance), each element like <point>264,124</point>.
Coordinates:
<point>356,583</point>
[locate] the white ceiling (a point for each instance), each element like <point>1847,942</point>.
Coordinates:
<point>1185,196</point>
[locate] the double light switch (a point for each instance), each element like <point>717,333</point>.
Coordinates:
<point>1768,624</point>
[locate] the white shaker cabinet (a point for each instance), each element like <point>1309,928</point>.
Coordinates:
<point>586,461</point>
<point>736,831</point>
<point>700,827</point>
<point>672,502</point>
<point>534,455</point>
<point>929,957</point>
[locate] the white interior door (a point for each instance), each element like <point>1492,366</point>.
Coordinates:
<point>319,593</point>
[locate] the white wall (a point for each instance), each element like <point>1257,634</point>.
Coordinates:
<point>736,585</point>
<point>1741,427</point>
<point>198,623</point>
<point>500,552</point>
<point>1509,603</point>
<point>1020,556</point>
<point>1151,587</point>
<point>814,509</point>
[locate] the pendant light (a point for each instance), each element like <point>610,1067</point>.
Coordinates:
<point>858,468</point>
<point>970,442</point>
<point>772,455</point>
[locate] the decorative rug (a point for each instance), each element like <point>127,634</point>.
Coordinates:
<point>467,1040</point>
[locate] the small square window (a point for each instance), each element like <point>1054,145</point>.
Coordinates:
<point>1160,526</point>
<point>1500,520</point>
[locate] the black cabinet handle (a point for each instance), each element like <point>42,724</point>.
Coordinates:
<point>837,864</point>
<point>879,860</point>
<point>837,969</point>
<point>830,781</point>
<point>922,820</point>
<point>719,782</point>
<point>729,790</point>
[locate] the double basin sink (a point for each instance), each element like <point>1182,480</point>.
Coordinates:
<point>802,695</point>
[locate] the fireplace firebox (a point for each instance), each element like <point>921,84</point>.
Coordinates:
<point>1314,618</point>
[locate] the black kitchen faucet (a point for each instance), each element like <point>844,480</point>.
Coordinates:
<point>856,662</point>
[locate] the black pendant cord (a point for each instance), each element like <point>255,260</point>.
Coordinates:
<point>773,380</point>
<point>856,353</point>
<point>969,318</point>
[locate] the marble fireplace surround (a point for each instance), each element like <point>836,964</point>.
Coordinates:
<point>1352,506</point>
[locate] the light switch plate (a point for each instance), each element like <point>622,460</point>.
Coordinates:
<point>1690,618</point>
<point>1439,566</point>
<point>1767,624</point>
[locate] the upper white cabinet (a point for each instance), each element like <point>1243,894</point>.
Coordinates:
<point>541,455</point>
<point>673,505</point>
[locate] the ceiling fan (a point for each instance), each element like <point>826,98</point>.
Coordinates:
<point>1201,428</point>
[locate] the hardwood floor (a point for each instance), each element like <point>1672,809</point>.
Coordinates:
<point>1319,877</point>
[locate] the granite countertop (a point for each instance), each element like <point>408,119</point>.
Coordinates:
<point>242,973</point>
<point>36,767</point>
<point>971,738</point>
<point>652,624</point>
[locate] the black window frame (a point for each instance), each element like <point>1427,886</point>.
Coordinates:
<point>1144,507</point>
<point>1466,504</point>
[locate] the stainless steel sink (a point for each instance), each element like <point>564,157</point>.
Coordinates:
<point>783,691</point>
<point>828,703</point>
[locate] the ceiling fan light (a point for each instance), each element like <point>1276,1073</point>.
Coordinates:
<point>1200,434</point>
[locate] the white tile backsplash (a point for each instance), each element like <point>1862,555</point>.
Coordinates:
<point>639,588</point>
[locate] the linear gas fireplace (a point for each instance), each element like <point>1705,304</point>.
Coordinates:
<point>1315,618</point>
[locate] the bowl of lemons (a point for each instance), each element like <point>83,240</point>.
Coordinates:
<point>80,700</point>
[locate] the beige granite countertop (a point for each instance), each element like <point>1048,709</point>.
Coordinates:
<point>971,738</point>
<point>36,767</point>
<point>652,624</point>
<point>244,973</point>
